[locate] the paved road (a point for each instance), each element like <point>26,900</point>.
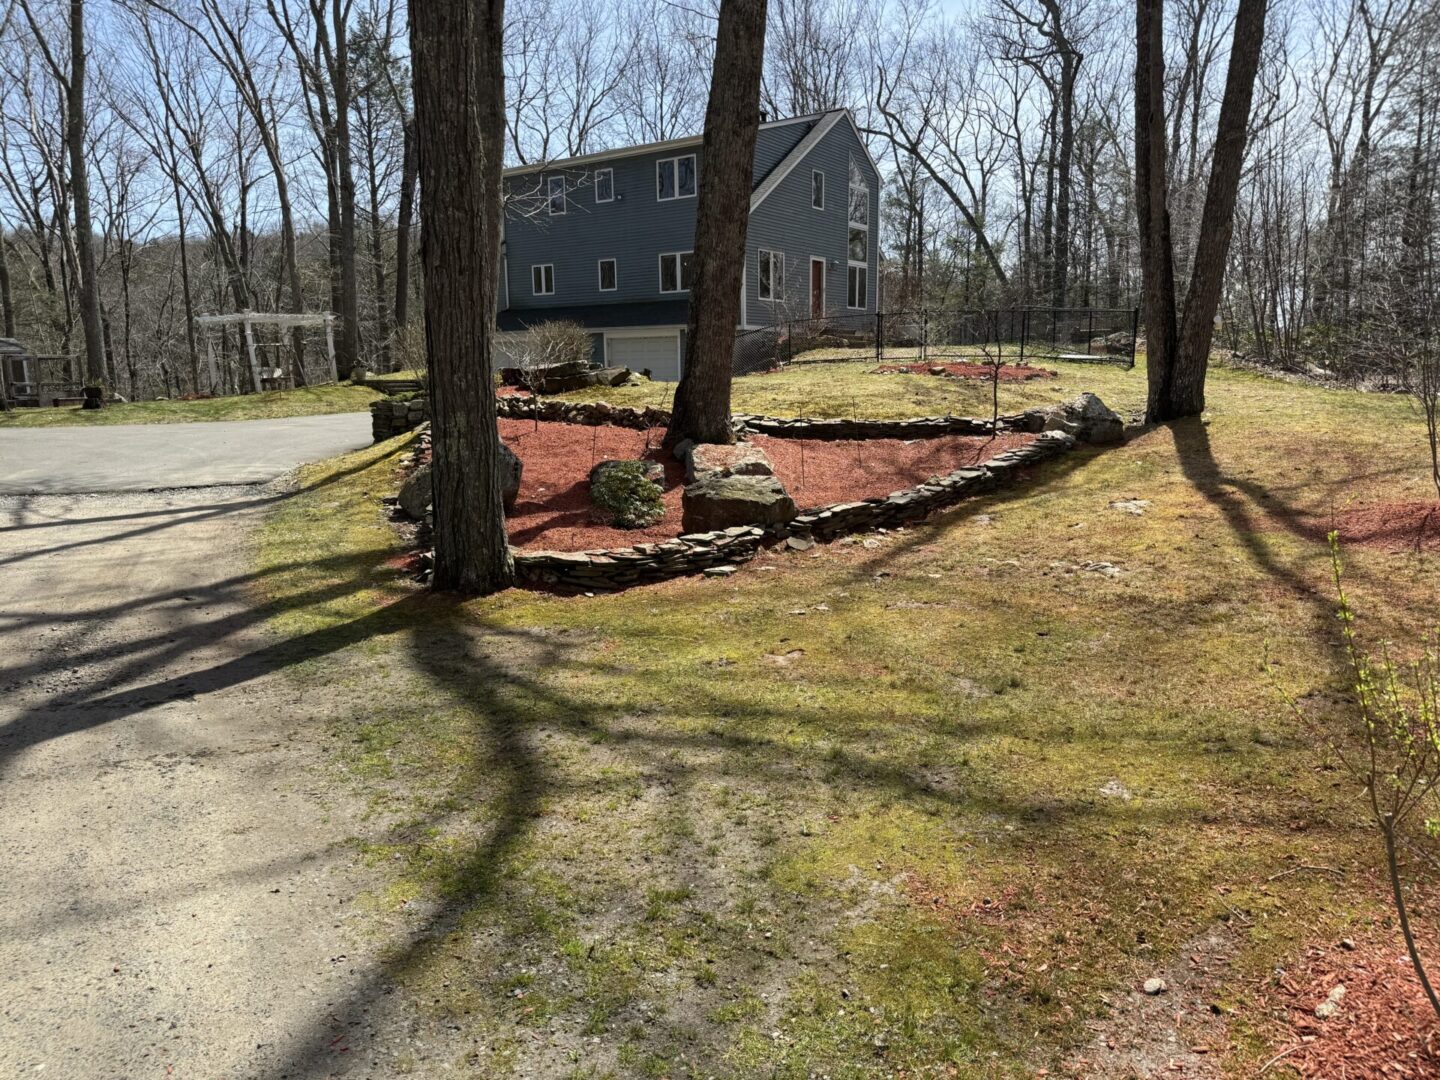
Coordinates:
<point>147,457</point>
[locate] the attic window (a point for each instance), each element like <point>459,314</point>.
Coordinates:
<point>675,178</point>
<point>817,190</point>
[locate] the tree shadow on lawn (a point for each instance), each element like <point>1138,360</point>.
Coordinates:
<point>489,670</point>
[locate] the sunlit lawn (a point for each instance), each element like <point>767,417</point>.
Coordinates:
<point>869,811</point>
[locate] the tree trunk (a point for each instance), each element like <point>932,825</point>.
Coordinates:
<point>404,216</point>
<point>722,214</point>
<point>459,132</point>
<point>348,355</point>
<point>1157,258</point>
<point>7,304</point>
<point>1178,355</point>
<point>80,194</point>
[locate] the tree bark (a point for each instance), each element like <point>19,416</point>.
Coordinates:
<point>459,132</point>
<point>404,216</point>
<point>7,304</point>
<point>80,196</point>
<point>1178,353</point>
<point>732,121</point>
<point>349,345</point>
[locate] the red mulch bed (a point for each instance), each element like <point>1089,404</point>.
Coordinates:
<point>1394,527</point>
<point>1384,1026</point>
<point>1008,372</point>
<point>554,508</point>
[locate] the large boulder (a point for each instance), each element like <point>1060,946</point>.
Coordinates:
<point>1087,418</point>
<point>720,459</point>
<point>417,492</point>
<point>722,502</point>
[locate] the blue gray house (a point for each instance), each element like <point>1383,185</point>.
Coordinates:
<point>605,240</point>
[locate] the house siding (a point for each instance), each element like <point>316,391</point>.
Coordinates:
<point>636,228</point>
<point>787,222</point>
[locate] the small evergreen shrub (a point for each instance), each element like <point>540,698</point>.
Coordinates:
<point>630,498</point>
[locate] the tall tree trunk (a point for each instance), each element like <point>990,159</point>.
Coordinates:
<point>7,303</point>
<point>459,131</point>
<point>404,216</point>
<point>1177,367</point>
<point>348,355</point>
<point>722,214</point>
<point>80,195</point>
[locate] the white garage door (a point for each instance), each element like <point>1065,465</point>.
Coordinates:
<point>660,353</point>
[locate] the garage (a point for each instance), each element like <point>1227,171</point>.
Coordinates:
<point>655,351</point>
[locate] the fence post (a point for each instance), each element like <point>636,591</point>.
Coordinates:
<point>1024,326</point>
<point>1134,333</point>
<point>879,337</point>
<point>1089,329</point>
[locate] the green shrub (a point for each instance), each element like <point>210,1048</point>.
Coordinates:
<point>628,496</point>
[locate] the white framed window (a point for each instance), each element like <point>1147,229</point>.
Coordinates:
<point>817,190</point>
<point>555,194</point>
<point>604,185</point>
<point>675,178</point>
<point>675,271</point>
<point>609,275</point>
<point>771,280</point>
<point>859,246</point>
<point>542,279</point>
<point>857,289</point>
<point>859,205</point>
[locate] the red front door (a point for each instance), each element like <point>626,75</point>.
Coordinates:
<point>817,288</point>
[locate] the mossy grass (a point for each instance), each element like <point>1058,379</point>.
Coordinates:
<point>912,808</point>
<point>305,401</point>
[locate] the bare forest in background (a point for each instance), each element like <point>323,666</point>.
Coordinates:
<point>260,154</point>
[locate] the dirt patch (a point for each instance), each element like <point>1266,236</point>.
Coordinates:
<point>1394,527</point>
<point>1180,1031</point>
<point>1008,372</point>
<point>554,509</point>
<point>1381,1025</point>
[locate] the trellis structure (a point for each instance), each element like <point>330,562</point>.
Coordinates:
<point>248,319</point>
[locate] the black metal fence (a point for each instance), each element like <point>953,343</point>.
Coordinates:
<point>1012,335</point>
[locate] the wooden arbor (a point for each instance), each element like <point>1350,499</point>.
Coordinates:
<point>247,320</point>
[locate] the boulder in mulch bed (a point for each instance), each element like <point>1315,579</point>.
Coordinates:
<point>718,459</point>
<point>417,492</point>
<point>1087,418</point>
<point>722,502</point>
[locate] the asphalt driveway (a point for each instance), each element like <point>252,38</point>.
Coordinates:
<point>150,457</point>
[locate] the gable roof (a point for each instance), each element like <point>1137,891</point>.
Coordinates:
<point>797,153</point>
<point>683,143</point>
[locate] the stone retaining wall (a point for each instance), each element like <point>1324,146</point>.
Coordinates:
<point>620,568</point>
<point>391,418</point>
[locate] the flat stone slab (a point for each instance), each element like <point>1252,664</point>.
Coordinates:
<point>719,459</point>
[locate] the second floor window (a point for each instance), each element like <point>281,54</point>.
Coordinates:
<point>604,185</point>
<point>771,282</point>
<point>542,279</point>
<point>859,245</point>
<point>675,271</point>
<point>675,178</point>
<point>608,276</point>
<point>555,194</point>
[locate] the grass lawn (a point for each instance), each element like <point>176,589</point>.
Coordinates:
<point>847,389</point>
<point>928,808</point>
<point>306,401</point>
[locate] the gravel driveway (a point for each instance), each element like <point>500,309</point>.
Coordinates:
<point>175,895</point>
<point>146,457</point>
